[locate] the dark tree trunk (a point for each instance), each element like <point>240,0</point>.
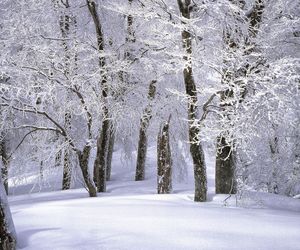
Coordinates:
<point>141,156</point>
<point>67,24</point>
<point>100,163</point>
<point>110,153</point>
<point>4,173</point>
<point>142,145</point>
<point>255,17</point>
<point>274,149</point>
<point>225,168</point>
<point>190,86</point>
<point>83,158</point>
<point>5,160</point>
<point>130,38</point>
<point>8,237</point>
<point>225,160</point>
<point>58,157</point>
<point>67,170</point>
<point>225,182</point>
<point>164,161</point>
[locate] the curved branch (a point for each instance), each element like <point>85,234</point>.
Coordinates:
<point>35,111</point>
<point>23,139</point>
<point>59,128</point>
<point>89,115</point>
<point>206,105</point>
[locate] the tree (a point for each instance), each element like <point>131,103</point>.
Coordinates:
<point>4,159</point>
<point>252,71</point>
<point>68,26</point>
<point>8,237</point>
<point>190,85</point>
<point>164,160</point>
<point>225,179</point>
<point>100,165</point>
<point>39,85</point>
<point>142,144</point>
<point>72,95</point>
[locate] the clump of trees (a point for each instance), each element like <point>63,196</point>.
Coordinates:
<point>78,77</point>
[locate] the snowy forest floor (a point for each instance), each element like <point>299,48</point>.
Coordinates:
<point>132,216</point>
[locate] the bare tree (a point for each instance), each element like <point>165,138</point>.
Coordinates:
<point>185,7</point>
<point>142,144</point>
<point>68,28</point>
<point>5,160</point>
<point>164,160</point>
<point>225,181</point>
<point>8,237</point>
<point>225,155</point>
<point>100,164</point>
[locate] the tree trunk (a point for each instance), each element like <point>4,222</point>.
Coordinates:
<point>67,171</point>
<point>8,237</point>
<point>110,153</point>
<point>190,86</point>
<point>225,179</point>
<point>67,23</point>
<point>83,158</point>
<point>164,161</point>
<point>67,168</point>
<point>100,163</point>
<point>225,168</point>
<point>142,145</point>
<point>5,161</point>
<point>274,149</point>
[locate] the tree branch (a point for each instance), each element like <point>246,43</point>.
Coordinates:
<point>27,134</point>
<point>60,129</point>
<point>206,105</point>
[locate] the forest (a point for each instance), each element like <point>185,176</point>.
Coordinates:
<point>167,109</point>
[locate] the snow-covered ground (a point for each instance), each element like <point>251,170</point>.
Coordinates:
<point>131,216</point>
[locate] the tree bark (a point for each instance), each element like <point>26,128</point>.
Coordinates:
<point>65,30</point>
<point>225,179</point>
<point>5,161</point>
<point>274,149</point>
<point>225,182</point>
<point>100,163</point>
<point>164,161</point>
<point>67,171</point>
<point>190,86</point>
<point>110,153</point>
<point>225,168</point>
<point>8,237</point>
<point>83,158</point>
<point>142,144</point>
<point>67,23</point>
<point>130,38</point>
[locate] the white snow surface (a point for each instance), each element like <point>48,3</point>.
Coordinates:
<point>132,216</point>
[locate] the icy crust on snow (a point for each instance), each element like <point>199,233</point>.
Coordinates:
<point>130,215</point>
<point>272,201</point>
<point>61,220</point>
<point>259,200</point>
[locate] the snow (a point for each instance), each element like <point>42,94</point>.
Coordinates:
<point>297,196</point>
<point>132,216</point>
